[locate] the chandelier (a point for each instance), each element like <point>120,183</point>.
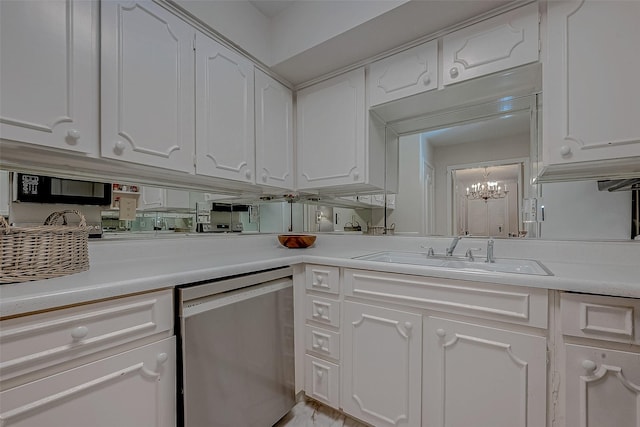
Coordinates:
<point>487,189</point>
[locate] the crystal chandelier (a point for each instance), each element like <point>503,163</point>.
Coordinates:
<point>487,189</point>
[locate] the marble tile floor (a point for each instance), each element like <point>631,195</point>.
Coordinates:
<point>309,413</point>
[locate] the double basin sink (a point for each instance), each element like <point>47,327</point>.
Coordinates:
<point>500,265</point>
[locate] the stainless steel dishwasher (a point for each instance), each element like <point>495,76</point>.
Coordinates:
<point>237,360</point>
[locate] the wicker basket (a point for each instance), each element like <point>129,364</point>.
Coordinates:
<point>45,251</point>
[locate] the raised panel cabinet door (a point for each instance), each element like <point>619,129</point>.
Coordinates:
<point>274,132</point>
<point>225,142</point>
<point>497,44</point>
<point>481,376</point>
<point>49,73</point>
<point>147,93</point>
<point>404,74</point>
<point>602,387</point>
<point>131,389</point>
<point>331,132</point>
<point>590,81</point>
<point>382,364</point>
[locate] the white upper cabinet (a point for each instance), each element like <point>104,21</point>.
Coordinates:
<point>337,144</point>
<point>404,74</point>
<point>147,93</point>
<point>49,73</point>
<point>499,43</point>
<point>154,198</point>
<point>274,132</point>
<point>224,112</point>
<point>590,82</point>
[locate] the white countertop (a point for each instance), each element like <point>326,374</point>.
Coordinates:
<point>121,267</point>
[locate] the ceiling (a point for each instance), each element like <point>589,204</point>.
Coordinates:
<point>500,127</point>
<point>271,8</point>
<point>494,173</point>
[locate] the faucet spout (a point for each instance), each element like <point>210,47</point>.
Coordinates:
<point>490,258</point>
<point>453,245</point>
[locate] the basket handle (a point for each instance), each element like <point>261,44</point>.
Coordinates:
<point>4,225</point>
<point>51,219</point>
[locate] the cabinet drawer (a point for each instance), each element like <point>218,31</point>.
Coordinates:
<point>514,304</point>
<point>321,380</point>
<point>600,317</point>
<point>42,340</point>
<point>322,341</point>
<point>323,310</point>
<point>322,278</point>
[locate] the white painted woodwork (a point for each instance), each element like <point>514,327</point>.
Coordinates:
<point>323,310</point>
<point>135,388</point>
<point>44,340</point>
<point>225,142</point>
<point>602,387</point>
<point>49,68</point>
<point>590,82</point>
<point>404,74</point>
<point>5,189</point>
<point>322,278</point>
<point>322,380</point>
<point>481,376</point>
<point>156,198</point>
<point>330,122</point>
<point>381,365</point>
<point>493,45</point>
<point>599,317</point>
<point>274,132</point>
<point>322,342</point>
<point>147,95</point>
<point>484,300</point>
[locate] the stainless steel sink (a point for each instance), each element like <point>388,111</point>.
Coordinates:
<point>501,265</point>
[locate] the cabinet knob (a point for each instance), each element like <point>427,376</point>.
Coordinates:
<point>319,374</point>
<point>162,357</point>
<point>264,177</point>
<point>408,326</point>
<point>319,279</point>
<point>320,342</point>
<point>356,174</point>
<point>589,365</point>
<point>453,72</point>
<point>426,80</point>
<point>565,150</point>
<point>119,147</point>
<point>79,332</point>
<point>319,311</point>
<point>73,134</point>
<point>247,174</point>
<point>440,332</point>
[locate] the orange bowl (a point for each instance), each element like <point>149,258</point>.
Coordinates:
<point>296,240</point>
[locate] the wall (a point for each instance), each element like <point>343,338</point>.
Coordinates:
<point>475,152</point>
<point>577,210</point>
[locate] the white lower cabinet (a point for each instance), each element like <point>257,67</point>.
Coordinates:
<point>131,389</point>
<point>382,361</point>
<point>482,376</point>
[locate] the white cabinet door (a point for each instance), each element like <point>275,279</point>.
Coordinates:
<point>331,132</point>
<point>147,85</point>
<point>274,132</point>
<point>131,389</point>
<point>590,82</point>
<point>481,376</point>
<point>153,198</point>
<point>404,74</point>
<point>49,73</point>
<point>499,43</point>
<point>382,362</point>
<point>224,112</point>
<point>5,199</point>
<point>602,387</point>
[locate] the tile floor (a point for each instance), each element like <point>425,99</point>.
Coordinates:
<point>308,413</point>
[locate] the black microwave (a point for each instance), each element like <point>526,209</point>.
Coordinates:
<point>46,189</point>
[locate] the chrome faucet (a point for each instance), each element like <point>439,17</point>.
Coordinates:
<point>452,246</point>
<point>490,251</point>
